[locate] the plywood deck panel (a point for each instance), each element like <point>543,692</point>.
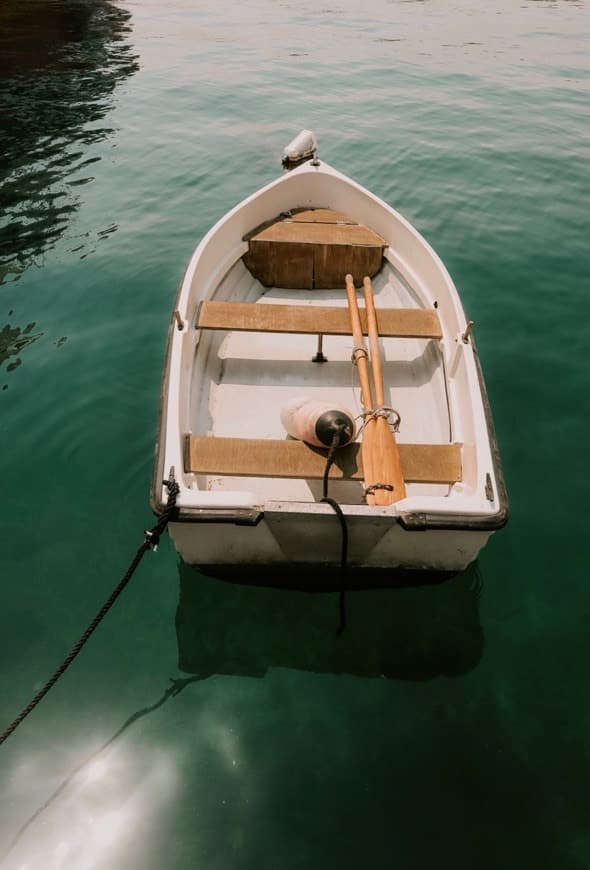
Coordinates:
<point>309,233</point>
<point>320,215</point>
<point>281,265</point>
<point>333,262</point>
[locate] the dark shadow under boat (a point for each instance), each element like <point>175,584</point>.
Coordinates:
<point>409,633</point>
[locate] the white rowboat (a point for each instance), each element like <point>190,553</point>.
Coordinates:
<point>264,283</point>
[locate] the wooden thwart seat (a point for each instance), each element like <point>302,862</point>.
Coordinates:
<point>254,457</point>
<point>314,319</point>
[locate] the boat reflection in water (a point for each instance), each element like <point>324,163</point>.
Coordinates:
<point>59,65</point>
<point>403,633</point>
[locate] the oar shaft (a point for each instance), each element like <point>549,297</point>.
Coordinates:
<point>360,358</point>
<point>360,353</point>
<point>386,458</point>
<point>373,332</point>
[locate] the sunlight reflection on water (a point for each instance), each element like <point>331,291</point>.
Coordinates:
<point>98,817</point>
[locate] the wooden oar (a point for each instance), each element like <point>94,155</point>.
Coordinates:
<point>361,360</point>
<point>386,459</point>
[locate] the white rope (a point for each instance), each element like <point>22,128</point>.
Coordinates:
<point>358,348</point>
<point>372,413</point>
<point>381,411</point>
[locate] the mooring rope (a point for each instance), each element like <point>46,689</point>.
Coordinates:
<point>338,435</point>
<point>151,541</point>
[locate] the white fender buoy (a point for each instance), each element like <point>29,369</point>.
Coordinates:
<point>316,422</point>
<point>302,147</point>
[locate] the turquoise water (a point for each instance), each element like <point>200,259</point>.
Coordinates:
<point>448,725</point>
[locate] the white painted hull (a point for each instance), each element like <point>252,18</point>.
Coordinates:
<point>312,538</point>
<point>234,383</point>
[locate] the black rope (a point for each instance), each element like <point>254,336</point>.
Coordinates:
<point>375,486</point>
<point>336,440</point>
<point>151,541</point>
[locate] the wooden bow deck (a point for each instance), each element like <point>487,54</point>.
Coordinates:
<point>312,248</point>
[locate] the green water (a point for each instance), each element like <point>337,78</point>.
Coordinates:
<point>448,726</point>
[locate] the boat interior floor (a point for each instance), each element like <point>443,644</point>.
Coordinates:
<point>244,374</point>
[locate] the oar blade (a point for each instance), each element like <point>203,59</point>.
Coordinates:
<point>387,465</point>
<point>368,451</point>
<point>360,359</point>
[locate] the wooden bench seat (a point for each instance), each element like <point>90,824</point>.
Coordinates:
<point>314,319</point>
<point>254,457</point>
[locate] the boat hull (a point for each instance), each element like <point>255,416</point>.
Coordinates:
<point>228,526</point>
<point>278,538</point>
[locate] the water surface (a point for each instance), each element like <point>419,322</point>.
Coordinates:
<point>219,726</point>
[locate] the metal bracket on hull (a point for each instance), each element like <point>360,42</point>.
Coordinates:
<point>423,522</point>
<point>468,331</point>
<point>227,515</point>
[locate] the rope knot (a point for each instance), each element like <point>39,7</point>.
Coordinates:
<point>369,490</point>
<point>152,536</point>
<point>358,349</point>
<point>173,490</point>
<point>382,411</point>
